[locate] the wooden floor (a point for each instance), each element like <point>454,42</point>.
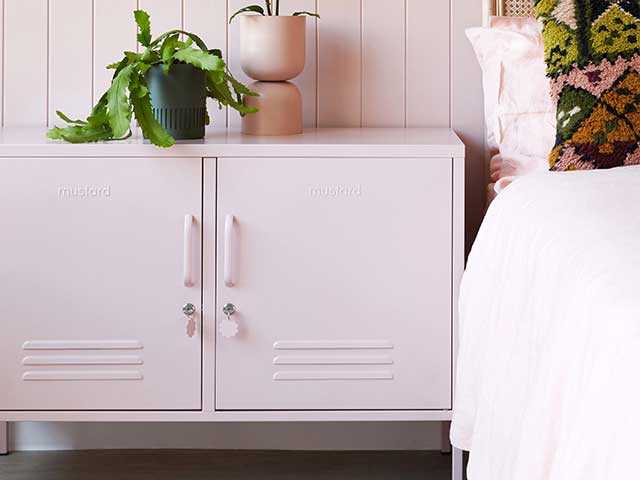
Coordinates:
<point>224,465</point>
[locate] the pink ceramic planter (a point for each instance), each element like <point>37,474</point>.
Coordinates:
<point>272,49</point>
<point>279,110</point>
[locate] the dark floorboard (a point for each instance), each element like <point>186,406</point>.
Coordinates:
<point>224,465</point>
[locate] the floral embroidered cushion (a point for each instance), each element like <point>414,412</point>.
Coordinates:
<point>592,52</point>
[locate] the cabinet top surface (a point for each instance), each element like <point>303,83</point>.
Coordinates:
<point>330,142</point>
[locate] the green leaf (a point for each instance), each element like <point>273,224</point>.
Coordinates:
<point>81,134</point>
<point>217,76</point>
<point>149,125</point>
<point>68,120</point>
<point>222,93</point>
<point>119,110</point>
<point>239,88</point>
<point>144,27</point>
<point>95,128</point>
<point>55,133</point>
<point>150,56</point>
<point>99,114</point>
<point>198,41</point>
<point>167,51</point>
<point>123,63</point>
<point>199,59</point>
<point>310,14</point>
<point>141,91</point>
<point>144,114</point>
<point>250,8</point>
<point>132,56</point>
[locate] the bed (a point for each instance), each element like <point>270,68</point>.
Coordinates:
<point>549,331</point>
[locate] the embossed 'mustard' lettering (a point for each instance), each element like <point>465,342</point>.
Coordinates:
<point>84,191</point>
<point>335,191</point>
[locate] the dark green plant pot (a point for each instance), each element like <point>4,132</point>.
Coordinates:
<point>179,100</point>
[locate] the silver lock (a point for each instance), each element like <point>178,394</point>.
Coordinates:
<point>228,309</point>
<point>188,309</point>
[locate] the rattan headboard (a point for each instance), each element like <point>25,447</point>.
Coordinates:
<point>514,8</point>
<point>509,8</point>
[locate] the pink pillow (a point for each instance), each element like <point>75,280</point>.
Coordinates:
<point>519,114</point>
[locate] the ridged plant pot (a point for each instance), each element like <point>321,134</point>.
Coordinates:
<point>179,100</point>
<point>272,48</point>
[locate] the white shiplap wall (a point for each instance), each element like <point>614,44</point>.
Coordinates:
<point>369,62</point>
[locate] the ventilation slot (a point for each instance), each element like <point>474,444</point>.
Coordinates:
<point>346,375</point>
<point>82,375</point>
<point>63,360</point>
<point>333,345</point>
<point>332,360</point>
<point>82,345</point>
<point>82,360</point>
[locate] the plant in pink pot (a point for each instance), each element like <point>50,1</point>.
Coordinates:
<point>272,51</point>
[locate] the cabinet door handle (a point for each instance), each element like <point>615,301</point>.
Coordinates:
<point>228,250</point>
<point>188,253</point>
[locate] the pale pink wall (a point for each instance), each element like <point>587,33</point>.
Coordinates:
<point>467,109</point>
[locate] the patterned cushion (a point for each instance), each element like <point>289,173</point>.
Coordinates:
<point>592,51</point>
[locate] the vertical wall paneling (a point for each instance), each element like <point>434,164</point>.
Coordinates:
<point>165,14</point>
<point>467,110</point>
<point>114,32</point>
<point>25,62</point>
<point>70,60</point>
<point>306,82</point>
<point>428,72</point>
<point>2,62</point>
<point>369,62</point>
<point>339,63</point>
<point>383,63</point>
<point>234,55</point>
<point>208,20</point>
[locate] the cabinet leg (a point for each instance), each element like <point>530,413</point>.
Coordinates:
<point>457,465</point>
<point>4,438</point>
<point>445,444</point>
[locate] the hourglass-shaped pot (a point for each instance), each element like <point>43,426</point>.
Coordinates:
<point>272,51</point>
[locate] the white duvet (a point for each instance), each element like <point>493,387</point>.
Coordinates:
<point>548,374</point>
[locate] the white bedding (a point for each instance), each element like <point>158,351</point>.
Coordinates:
<point>548,374</point>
